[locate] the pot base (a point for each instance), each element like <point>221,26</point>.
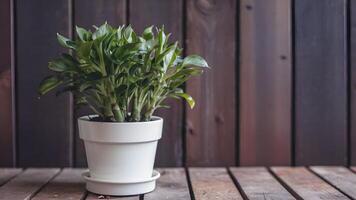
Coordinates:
<point>116,188</point>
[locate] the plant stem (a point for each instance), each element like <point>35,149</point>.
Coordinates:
<point>148,114</point>
<point>135,109</point>
<point>118,115</point>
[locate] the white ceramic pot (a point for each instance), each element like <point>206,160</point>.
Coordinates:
<point>121,152</point>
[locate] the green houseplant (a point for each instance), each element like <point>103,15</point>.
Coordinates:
<point>123,77</point>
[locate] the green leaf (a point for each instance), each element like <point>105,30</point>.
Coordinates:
<point>101,31</point>
<point>194,60</point>
<point>80,101</point>
<point>128,34</point>
<point>48,84</point>
<point>170,56</point>
<point>83,49</point>
<point>163,106</point>
<point>83,34</point>
<point>147,33</point>
<point>167,52</point>
<point>69,59</point>
<point>98,45</point>
<point>188,98</point>
<point>161,39</point>
<point>85,86</point>
<point>57,65</point>
<point>64,64</point>
<point>65,42</point>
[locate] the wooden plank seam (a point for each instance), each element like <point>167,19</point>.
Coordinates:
<point>330,183</point>
<point>45,184</point>
<point>237,184</point>
<point>285,185</point>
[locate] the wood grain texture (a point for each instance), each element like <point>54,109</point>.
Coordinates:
<point>211,125</point>
<point>265,82</point>
<point>171,185</point>
<point>257,184</point>
<point>44,125</point>
<point>321,82</point>
<point>7,173</point>
<point>6,137</point>
<point>212,183</point>
<point>112,11</point>
<point>69,184</point>
<point>6,133</point>
<point>5,33</point>
<point>26,184</point>
<point>169,14</point>
<point>353,81</point>
<point>307,185</point>
<point>340,177</point>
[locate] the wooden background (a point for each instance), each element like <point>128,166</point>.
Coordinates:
<point>281,91</point>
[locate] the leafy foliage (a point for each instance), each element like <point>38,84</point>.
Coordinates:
<point>122,76</point>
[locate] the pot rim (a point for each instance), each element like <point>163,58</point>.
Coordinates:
<point>154,119</point>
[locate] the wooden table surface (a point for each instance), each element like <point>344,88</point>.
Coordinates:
<point>279,183</point>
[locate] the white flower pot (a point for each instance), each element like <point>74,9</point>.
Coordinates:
<point>122,152</point>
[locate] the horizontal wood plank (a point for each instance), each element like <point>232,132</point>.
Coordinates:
<point>207,183</point>
<point>69,184</point>
<point>257,183</point>
<point>340,177</point>
<point>212,183</point>
<point>171,185</point>
<point>8,173</point>
<point>26,184</point>
<point>306,184</point>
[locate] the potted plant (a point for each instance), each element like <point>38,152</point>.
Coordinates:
<point>123,78</point>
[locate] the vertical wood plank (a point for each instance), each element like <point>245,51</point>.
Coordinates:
<point>265,82</point>
<point>26,184</point>
<point>212,183</point>
<point>257,183</point>
<point>340,177</point>
<point>112,11</point>
<point>320,82</point>
<point>69,184</point>
<point>211,125</point>
<point>307,185</point>
<point>353,81</point>
<point>169,14</point>
<point>5,33</point>
<point>8,173</point>
<point>171,185</point>
<point>6,138</point>
<point>44,126</point>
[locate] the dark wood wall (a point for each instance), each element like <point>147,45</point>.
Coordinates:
<point>281,91</point>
